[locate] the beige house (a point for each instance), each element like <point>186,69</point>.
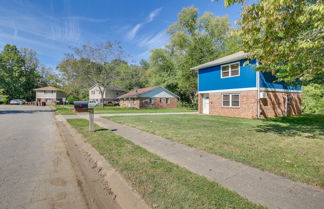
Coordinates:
<point>49,95</point>
<point>111,94</point>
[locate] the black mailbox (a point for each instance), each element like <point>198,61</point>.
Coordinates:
<point>80,105</point>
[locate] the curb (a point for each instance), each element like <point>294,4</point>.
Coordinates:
<point>113,183</point>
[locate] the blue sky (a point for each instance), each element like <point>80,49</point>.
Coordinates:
<point>51,27</point>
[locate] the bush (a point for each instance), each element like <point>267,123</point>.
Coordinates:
<point>313,99</point>
<point>3,97</point>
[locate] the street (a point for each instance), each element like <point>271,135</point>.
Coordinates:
<point>35,170</point>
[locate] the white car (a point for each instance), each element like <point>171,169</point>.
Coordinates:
<point>93,104</point>
<point>16,102</point>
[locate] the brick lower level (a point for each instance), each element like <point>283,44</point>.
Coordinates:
<point>145,103</point>
<point>272,106</point>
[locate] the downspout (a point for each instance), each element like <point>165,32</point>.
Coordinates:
<point>258,91</point>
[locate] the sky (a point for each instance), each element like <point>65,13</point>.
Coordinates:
<point>52,27</point>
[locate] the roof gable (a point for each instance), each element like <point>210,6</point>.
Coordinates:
<point>148,92</point>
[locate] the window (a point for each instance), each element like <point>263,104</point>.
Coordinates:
<point>167,100</point>
<point>230,70</point>
<point>48,91</point>
<point>151,101</point>
<point>93,92</point>
<point>161,100</point>
<point>231,100</point>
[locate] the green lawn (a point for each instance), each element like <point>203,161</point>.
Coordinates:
<point>161,183</point>
<point>117,109</point>
<point>292,147</point>
<point>63,110</point>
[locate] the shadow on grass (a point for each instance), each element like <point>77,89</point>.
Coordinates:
<point>309,126</point>
<point>101,129</point>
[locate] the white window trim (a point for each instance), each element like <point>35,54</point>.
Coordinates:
<point>167,100</point>
<point>151,100</point>
<point>230,100</point>
<point>230,70</point>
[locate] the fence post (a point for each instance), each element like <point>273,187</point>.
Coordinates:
<point>91,120</point>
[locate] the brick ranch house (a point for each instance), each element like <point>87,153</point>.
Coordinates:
<point>111,93</point>
<point>151,97</point>
<point>227,87</point>
<point>49,95</point>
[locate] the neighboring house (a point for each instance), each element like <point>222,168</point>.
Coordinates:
<point>111,94</point>
<point>228,87</point>
<point>151,97</point>
<point>49,95</point>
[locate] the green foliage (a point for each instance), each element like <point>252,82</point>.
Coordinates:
<point>194,40</point>
<point>313,98</point>
<point>3,97</point>
<point>128,76</point>
<point>12,77</point>
<point>20,73</point>
<point>286,36</point>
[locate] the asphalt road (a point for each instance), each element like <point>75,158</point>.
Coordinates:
<point>35,170</point>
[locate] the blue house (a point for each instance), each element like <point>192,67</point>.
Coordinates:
<point>228,87</point>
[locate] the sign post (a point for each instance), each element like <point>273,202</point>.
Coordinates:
<point>91,119</point>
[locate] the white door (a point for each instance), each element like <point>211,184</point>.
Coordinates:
<point>206,104</point>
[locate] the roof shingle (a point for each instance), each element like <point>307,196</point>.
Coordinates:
<point>137,92</point>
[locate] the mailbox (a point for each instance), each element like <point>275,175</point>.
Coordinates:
<point>81,106</point>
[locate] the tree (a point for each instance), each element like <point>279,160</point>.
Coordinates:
<point>73,82</point>
<point>49,78</point>
<point>11,72</point>
<point>286,37</point>
<point>94,64</point>
<point>128,76</point>
<point>194,40</point>
<point>313,98</point>
<point>30,73</point>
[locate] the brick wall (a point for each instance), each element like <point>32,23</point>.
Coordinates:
<point>275,103</point>
<point>145,103</point>
<point>247,109</point>
<point>132,103</point>
<point>272,106</point>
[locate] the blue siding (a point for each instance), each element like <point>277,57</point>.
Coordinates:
<point>267,80</point>
<point>210,78</point>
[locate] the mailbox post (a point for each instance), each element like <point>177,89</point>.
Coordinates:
<point>91,119</point>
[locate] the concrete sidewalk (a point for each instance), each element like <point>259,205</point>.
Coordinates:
<point>98,115</point>
<point>260,187</point>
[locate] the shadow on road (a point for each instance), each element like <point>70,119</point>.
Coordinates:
<point>23,111</point>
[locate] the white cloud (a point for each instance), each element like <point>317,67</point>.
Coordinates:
<point>153,14</point>
<point>156,41</point>
<point>133,32</point>
<point>88,19</point>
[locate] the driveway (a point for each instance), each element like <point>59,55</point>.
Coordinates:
<point>35,170</point>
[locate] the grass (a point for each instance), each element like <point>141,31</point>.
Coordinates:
<point>59,109</point>
<point>117,109</point>
<point>292,147</point>
<point>161,183</point>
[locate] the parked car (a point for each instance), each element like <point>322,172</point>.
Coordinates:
<point>93,104</point>
<point>16,102</point>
